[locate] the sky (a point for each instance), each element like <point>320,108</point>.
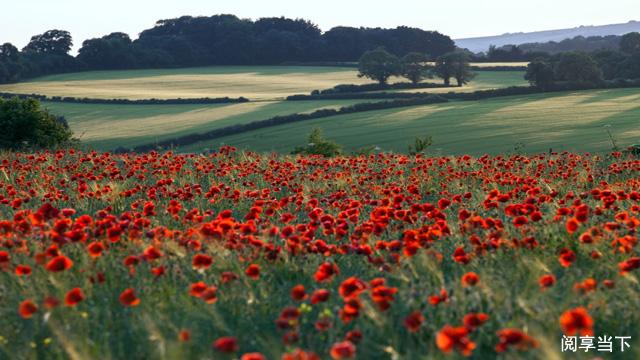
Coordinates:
<point>85,19</point>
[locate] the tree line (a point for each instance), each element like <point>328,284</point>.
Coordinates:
<point>588,68</point>
<point>532,51</point>
<point>215,40</point>
<point>380,65</point>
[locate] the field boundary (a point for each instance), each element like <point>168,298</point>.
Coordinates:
<point>75,100</point>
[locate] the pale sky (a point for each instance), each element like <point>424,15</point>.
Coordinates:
<point>20,19</point>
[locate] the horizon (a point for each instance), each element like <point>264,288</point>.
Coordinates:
<point>498,17</point>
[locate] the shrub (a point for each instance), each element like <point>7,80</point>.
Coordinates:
<point>25,124</point>
<point>318,145</point>
<point>420,144</point>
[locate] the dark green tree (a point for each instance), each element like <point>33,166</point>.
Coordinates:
<point>25,124</point>
<point>578,67</point>
<point>454,65</point>
<point>54,42</point>
<point>540,74</point>
<point>415,67</point>
<point>630,43</point>
<point>379,65</point>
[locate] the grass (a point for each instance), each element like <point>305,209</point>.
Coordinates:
<point>106,127</point>
<point>562,121</point>
<point>253,82</point>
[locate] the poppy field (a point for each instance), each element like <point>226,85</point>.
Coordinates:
<point>240,255</point>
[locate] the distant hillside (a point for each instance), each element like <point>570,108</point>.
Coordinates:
<point>480,44</point>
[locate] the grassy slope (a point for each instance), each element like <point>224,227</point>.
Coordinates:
<point>562,121</point>
<point>109,126</point>
<point>254,82</point>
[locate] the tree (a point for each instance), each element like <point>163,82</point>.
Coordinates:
<point>415,67</point>
<point>540,74</point>
<point>379,65</point>
<point>630,43</point>
<point>56,42</point>
<point>113,51</point>
<point>578,67</point>
<point>454,65</point>
<point>25,124</point>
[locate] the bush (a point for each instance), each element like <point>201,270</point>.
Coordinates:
<point>420,144</point>
<point>25,124</point>
<point>318,145</point>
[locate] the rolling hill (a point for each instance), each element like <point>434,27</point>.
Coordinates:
<point>479,44</point>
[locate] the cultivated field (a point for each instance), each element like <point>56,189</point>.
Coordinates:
<point>106,127</point>
<point>575,121</point>
<point>254,82</point>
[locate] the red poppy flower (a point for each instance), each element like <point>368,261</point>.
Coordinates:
<point>474,320</point>
<point>73,297</point>
<point>320,296</point>
<point>413,321</point>
<point>354,336</point>
<point>202,261</point>
<point>128,298</point>
<point>454,338</point>
<point>343,350</point>
<point>227,344</point>
<point>197,289</point>
<point>228,276</point>
<point>253,271</point>
<point>299,354</point>
<point>95,249</point>
<point>470,279</point>
<point>253,356</point>
<point>210,295</point>
<point>59,263</point>
<point>352,287</point>
<point>298,293</point>
<point>184,335</point>
<point>27,308</point>
<point>577,321</point>
<point>151,253</point>
<point>572,225</point>
<point>514,338</point>
<point>23,270</point>
<point>629,265</point>
<point>51,302</point>
<point>547,281</point>
<point>326,271</point>
<point>567,257</point>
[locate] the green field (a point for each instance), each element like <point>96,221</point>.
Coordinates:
<point>253,82</point>
<point>562,121</point>
<point>105,127</point>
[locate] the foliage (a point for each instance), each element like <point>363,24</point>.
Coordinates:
<point>454,65</point>
<point>25,124</point>
<point>318,145</point>
<point>540,74</point>
<point>578,67</point>
<point>630,43</point>
<point>379,65</point>
<point>415,67</point>
<point>420,145</point>
<point>217,40</point>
